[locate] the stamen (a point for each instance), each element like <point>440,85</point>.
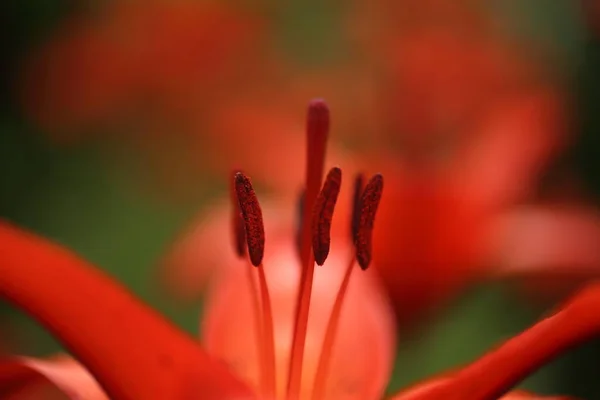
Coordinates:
<point>323,214</point>
<point>364,235</point>
<point>255,237</point>
<point>364,208</point>
<point>317,131</point>
<point>267,331</point>
<point>329,338</point>
<point>239,235</point>
<point>359,183</point>
<point>261,343</point>
<point>237,222</point>
<point>252,215</point>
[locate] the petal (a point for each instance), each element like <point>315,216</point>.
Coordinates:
<point>556,246</point>
<point>104,326</point>
<point>504,367</point>
<point>425,242</point>
<point>421,391</point>
<point>204,251</point>
<point>362,358</point>
<point>511,143</point>
<point>520,395</point>
<point>20,379</point>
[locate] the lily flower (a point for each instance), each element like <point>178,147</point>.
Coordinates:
<point>475,121</point>
<point>273,332</point>
<point>133,353</point>
<point>129,352</point>
<point>162,54</point>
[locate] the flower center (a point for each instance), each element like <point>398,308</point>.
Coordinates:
<point>314,233</point>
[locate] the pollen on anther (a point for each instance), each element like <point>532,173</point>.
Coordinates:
<point>252,216</point>
<point>323,215</point>
<point>368,208</point>
<point>237,222</point>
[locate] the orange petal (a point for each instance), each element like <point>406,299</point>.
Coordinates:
<point>205,251</point>
<point>504,367</point>
<point>520,395</point>
<point>131,350</point>
<point>421,391</point>
<point>363,354</point>
<point>24,378</point>
<point>555,246</point>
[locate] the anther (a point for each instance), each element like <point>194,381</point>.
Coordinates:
<point>323,214</point>
<point>237,222</point>
<point>369,203</point>
<point>359,183</point>
<point>252,215</point>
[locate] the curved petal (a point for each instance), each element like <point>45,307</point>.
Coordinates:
<point>520,395</point>
<point>421,391</point>
<point>132,351</point>
<point>24,378</point>
<point>363,353</point>
<point>558,245</point>
<point>204,251</point>
<point>504,367</point>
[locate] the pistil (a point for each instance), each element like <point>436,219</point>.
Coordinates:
<point>317,131</point>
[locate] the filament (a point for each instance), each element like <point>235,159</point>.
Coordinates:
<point>330,335</point>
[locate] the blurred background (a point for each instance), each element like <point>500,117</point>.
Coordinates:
<point>119,121</point>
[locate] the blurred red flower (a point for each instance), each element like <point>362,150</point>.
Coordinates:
<point>473,120</point>
<point>128,58</point>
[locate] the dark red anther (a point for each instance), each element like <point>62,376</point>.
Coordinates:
<point>237,222</point>
<point>252,215</point>
<point>369,203</point>
<point>359,183</point>
<point>323,214</point>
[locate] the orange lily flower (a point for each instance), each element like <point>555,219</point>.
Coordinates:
<point>133,353</point>
<point>475,122</point>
